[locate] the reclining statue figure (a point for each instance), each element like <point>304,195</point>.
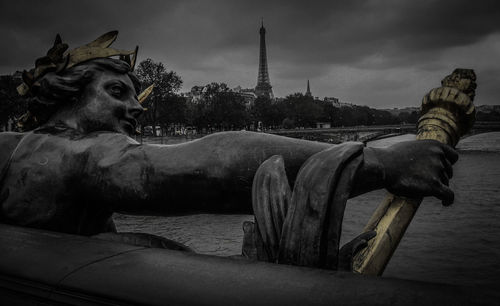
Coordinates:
<point>78,165</point>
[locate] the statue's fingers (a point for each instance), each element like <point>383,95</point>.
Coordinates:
<point>363,241</point>
<point>358,246</point>
<point>447,167</point>
<point>367,235</point>
<point>444,178</point>
<point>350,249</point>
<point>450,153</point>
<point>445,194</point>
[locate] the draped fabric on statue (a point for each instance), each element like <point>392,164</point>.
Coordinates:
<point>303,227</point>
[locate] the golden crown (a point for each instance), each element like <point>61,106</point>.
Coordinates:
<point>58,58</point>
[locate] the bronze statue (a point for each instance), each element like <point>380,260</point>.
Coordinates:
<point>78,165</point>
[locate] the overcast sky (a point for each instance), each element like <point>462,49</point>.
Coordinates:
<point>376,53</point>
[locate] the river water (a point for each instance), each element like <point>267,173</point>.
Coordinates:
<point>459,244</point>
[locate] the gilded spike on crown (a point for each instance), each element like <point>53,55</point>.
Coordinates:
<point>144,95</point>
<point>58,58</point>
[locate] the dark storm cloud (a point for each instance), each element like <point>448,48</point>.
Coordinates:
<point>382,46</point>
<point>29,27</point>
<point>401,32</point>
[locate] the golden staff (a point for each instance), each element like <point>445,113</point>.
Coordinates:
<point>447,114</point>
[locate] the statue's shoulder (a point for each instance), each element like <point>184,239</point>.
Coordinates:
<point>10,137</point>
<point>72,137</point>
<point>65,139</point>
<point>105,146</point>
<point>8,143</point>
<point>108,139</point>
<point>99,144</point>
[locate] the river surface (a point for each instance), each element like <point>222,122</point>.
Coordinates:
<point>459,244</point>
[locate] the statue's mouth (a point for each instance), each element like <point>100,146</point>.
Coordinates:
<point>129,124</point>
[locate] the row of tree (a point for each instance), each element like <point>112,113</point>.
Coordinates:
<point>12,105</point>
<point>219,108</point>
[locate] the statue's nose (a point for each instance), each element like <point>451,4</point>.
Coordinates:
<point>136,110</point>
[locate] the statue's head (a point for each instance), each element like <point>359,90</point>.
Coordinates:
<point>84,88</point>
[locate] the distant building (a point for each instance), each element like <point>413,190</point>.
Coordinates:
<point>17,76</point>
<point>196,94</point>
<point>488,108</point>
<point>323,125</point>
<point>337,103</point>
<point>248,94</point>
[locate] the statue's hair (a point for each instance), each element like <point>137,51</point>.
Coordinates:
<point>59,89</point>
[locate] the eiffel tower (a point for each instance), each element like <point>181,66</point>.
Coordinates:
<point>263,87</point>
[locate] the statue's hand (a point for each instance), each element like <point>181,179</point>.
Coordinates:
<point>350,249</point>
<point>418,168</point>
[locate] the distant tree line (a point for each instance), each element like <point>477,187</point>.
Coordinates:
<point>12,105</point>
<point>298,110</point>
<point>220,109</point>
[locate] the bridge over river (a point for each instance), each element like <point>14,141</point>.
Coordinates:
<point>369,133</point>
<point>332,135</point>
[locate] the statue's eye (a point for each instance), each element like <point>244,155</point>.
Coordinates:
<point>116,91</point>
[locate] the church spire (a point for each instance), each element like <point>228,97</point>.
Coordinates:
<point>308,92</point>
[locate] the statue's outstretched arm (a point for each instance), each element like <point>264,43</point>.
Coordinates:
<point>215,173</point>
<point>212,174</point>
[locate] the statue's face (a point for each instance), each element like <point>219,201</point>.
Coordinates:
<point>109,103</point>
